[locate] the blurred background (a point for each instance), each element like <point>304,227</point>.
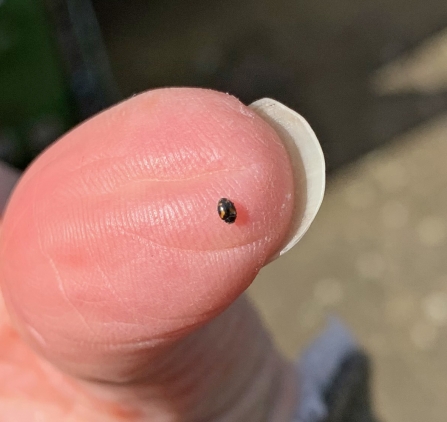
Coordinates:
<point>370,77</point>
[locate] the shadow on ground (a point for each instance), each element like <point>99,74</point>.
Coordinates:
<point>317,57</point>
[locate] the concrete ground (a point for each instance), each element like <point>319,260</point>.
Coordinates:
<point>376,257</point>
<point>369,76</point>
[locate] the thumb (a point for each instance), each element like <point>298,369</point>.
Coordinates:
<point>113,256</point>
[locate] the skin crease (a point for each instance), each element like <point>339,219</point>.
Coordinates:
<point>116,268</point>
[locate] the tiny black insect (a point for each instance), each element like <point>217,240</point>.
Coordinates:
<point>227,210</point>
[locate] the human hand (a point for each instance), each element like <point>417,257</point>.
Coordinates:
<point>116,269</point>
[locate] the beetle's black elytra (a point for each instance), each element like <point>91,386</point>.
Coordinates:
<point>227,210</point>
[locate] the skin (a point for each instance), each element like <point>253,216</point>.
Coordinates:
<point>121,285</point>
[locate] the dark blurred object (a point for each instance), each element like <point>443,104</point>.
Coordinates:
<point>349,398</point>
<point>53,73</point>
<point>84,55</point>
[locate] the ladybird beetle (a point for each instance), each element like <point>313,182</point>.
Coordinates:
<point>227,210</point>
